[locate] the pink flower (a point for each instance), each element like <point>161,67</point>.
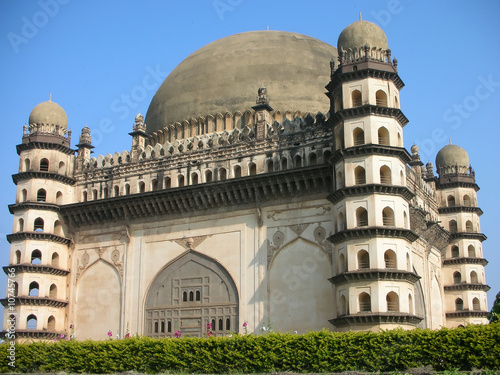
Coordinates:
<point>209,326</point>
<point>110,335</point>
<point>61,336</point>
<point>245,324</point>
<point>177,334</point>
<point>127,335</point>
<point>209,333</point>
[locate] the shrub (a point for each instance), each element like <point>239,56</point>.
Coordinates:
<point>471,347</point>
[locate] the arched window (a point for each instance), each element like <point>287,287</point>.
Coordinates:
<point>214,327</point>
<point>62,167</point>
<point>468,226</point>
<point>340,222</point>
<point>451,201</point>
<point>455,252</point>
<point>184,296</point>
<point>405,219</point>
<point>84,196</point>
<point>167,183</point>
<point>269,165</point>
<point>154,185</point>
<point>476,306</point>
<point>41,195</point>
<point>410,304</point>
<point>381,98</point>
<point>327,156</point>
<point>24,195</point>
<point>457,277</point>
<point>162,330</point>
<point>363,260</point>
<point>31,322</point>
<point>338,142</point>
<point>390,259</point>
<point>198,295</point>
<point>467,201</point>
<point>59,197</point>
<point>180,180</point>
<point>365,303</point>
<point>191,296</point>
<point>459,304</point>
<point>385,175</point>
<point>20,225</point>
<point>361,217</point>
<point>358,136</point>
<point>38,225</point>
<point>340,180</point>
<point>156,327</point>
<point>343,305</point>
<point>284,164</point>
<point>27,164</point>
<point>356,98</point>
<point>473,277</point>
<point>169,326</point>
<point>116,191</point>
<point>396,102</point>
<point>252,168</point>
<point>228,324</point>
<point>36,257</point>
<point>237,171</point>
<point>55,260</point>
<point>471,251</point>
<point>312,159</point>
<point>408,262</point>
<point>94,194</point>
<point>359,176</point>
<point>194,178</point>
<point>400,140</point>
<point>53,291</point>
<point>142,187</point>
<point>105,193</point>
<point>44,165</point>
<point>58,228</point>
<point>222,174</point>
<point>342,265</point>
<point>208,176</point>
<point>127,189</point>
<point>383,136</point>
<point>453,226</point>
<point>34,289</point>
<point>16,288</point>
<point>388,217</point>
<point>392,300</point>
<point>18,256</point>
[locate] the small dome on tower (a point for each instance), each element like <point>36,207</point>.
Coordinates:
<point>414,150</point>
<point>361,33</point>
<point>49,113</point>
<point>452,155</point>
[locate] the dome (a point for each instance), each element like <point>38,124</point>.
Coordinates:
<point>452,155</point>
<point>224,76</point>
<point>49,113</point>
<point>361,33</point>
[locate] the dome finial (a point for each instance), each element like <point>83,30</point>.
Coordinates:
<point>50,97</point>
<point>450,141</point>
<point>360,18</point>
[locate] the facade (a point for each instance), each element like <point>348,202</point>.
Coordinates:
<point>291,209</point>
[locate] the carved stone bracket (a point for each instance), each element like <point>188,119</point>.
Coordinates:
<point>273,247</point>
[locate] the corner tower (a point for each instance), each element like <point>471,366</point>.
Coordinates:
<point>39,256</point>
<point>463,263</point>
<point>374,278</point>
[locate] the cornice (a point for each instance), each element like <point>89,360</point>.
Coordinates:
<point>370,232</point>
<point>357,190</point>
<point>374,275</point>
<point>43,175</point>
<point>376,318</point>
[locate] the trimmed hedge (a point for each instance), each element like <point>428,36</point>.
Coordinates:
<point>471,347</point>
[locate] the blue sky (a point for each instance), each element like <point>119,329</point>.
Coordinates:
<point>103,61</point>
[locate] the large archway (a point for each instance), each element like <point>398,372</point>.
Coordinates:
<point>188,294</point>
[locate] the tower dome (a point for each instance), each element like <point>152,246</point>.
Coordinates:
<point>224,75</point>
<point>361,33</point>
<point>451,156</point>
<point>49,113</point>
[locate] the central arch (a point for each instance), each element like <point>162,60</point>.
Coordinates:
<point>191,292</point>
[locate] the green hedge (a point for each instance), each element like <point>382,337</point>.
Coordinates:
<point>472,347</point>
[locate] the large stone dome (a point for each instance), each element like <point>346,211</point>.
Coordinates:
<point>49,113</point>
<point>451,156</point>
<point>224,76</point>
<point>361,33</point>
